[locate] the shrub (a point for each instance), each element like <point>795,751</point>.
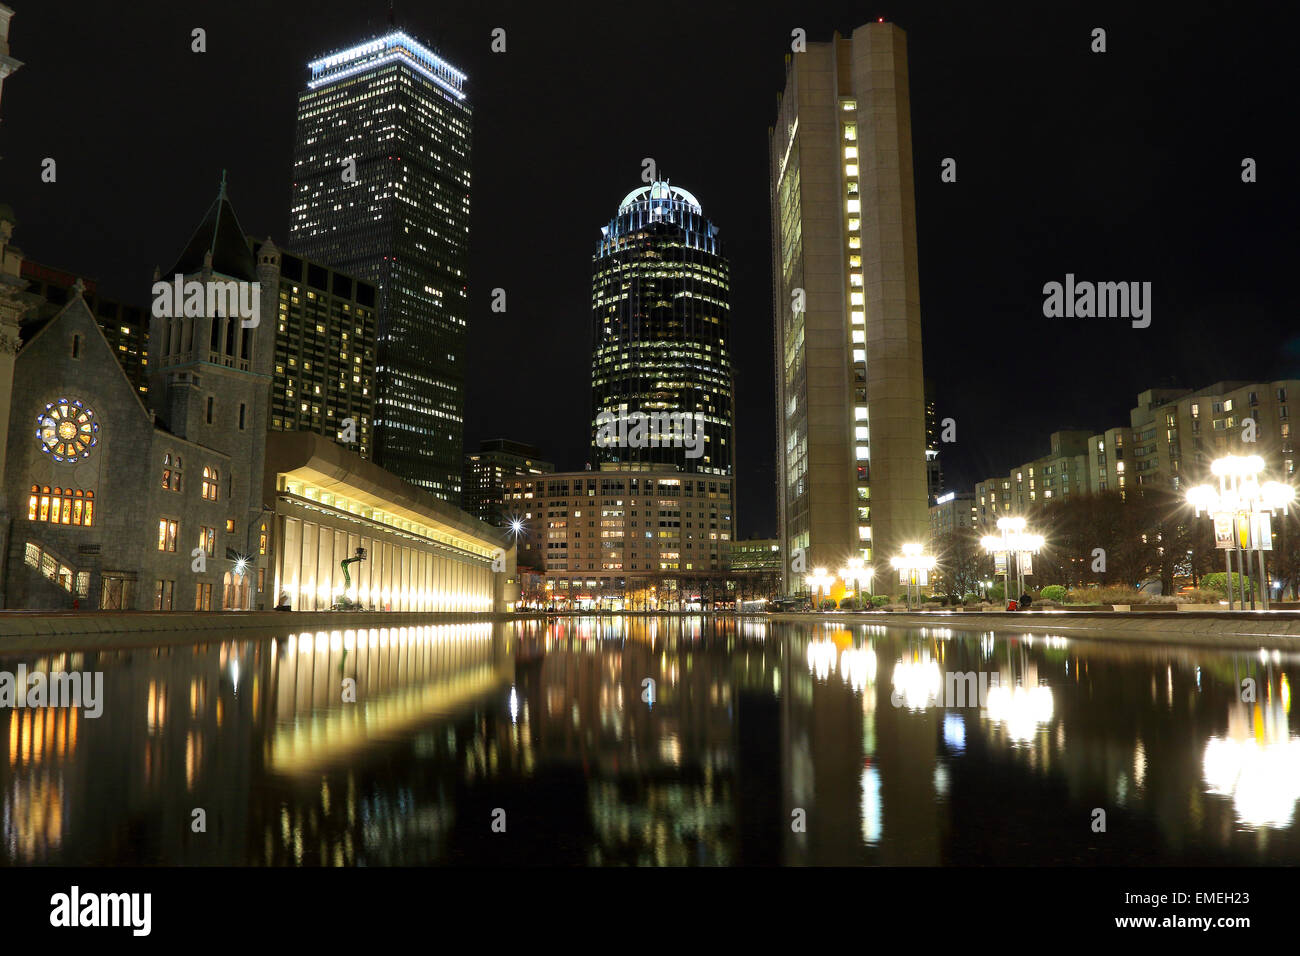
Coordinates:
<point>970,597</point>
<point>1111,594</point>
<point>1214,582</point>
<point>849,604</point>
<point>880,600</point>
<point>997,593</point>
<point>1053,592</point>
<point>1199,596</point>
<point>828,604</point>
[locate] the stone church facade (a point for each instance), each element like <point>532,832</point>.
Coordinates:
<point>113,505</point>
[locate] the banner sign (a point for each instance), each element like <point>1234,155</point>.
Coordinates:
<point>1261,531</point>
<point>1223,531</point>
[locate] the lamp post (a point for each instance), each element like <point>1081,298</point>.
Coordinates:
<point>916,567</point>
<point>1012,539</point>
<point>1242,503</point>
<point>818,581</point>
<point>856,572</point>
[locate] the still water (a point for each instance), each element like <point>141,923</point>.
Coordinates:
<point>537,742</point>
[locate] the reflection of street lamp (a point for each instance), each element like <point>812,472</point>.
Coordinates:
<point>916,565</point>
<point>818,581</point>
<point>1241,503</point>
<point>1012,540</point>
<point>855,572</point>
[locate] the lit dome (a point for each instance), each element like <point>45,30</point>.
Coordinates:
<point>659,191</point>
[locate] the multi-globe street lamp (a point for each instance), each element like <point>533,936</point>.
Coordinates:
<point>1242,505</point>
<point>820,580</point>
<point>1012,539</point>
<point>913,568</point>
<point>856,572</point>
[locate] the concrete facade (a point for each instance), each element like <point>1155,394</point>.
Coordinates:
<point>851,431</point>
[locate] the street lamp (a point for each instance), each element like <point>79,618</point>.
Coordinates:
<point>1013,540</point>
<point>820,579</point>
<point>913,568</point>
<point>1242,504</point>
<point>855,572</point>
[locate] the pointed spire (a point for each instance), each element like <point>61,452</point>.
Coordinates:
<point>221,194</point>
<point>78,287</point>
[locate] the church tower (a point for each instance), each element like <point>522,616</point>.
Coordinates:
<point>210,362</point>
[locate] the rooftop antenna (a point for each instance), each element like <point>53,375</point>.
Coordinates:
<point>392,17</point>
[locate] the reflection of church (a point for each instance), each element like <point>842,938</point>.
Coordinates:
<point>111,504</point>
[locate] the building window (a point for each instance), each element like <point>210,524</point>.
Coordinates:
<point>208,539</point>
<point>61,505</point>
<point>210,478</point>
<point>171,476</point>
<point>203,597</point>
<point>162,595</point>
<point>167,533</point>
<point>76,346</point>
<point>230,526</point>
<point>67,430</point>
<point>242,409</point>
<point>212,403</point>
<point>261,541</point>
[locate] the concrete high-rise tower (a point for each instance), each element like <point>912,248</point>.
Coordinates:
<point>661,312</point>
<point>851,462</point>
<point>381,190</point>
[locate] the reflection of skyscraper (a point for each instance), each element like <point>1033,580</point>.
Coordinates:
<point>381,190</point>
<point>850,400</point>
<point>661,310</point>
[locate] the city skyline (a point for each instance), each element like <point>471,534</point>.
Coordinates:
<point>980,306</point>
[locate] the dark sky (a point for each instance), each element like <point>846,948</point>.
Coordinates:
<point>1116,166</point>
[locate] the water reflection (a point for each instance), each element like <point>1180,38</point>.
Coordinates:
<point>671,741</point>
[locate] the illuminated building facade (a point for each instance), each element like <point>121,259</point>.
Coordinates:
<point>851,448</point>
<point>661,314</point>
<point>1172,437</point>
<point>381,190</point>
<point>422,554</point>
<point>324,352</point>
<point>486,471</point>
<point>623,537</point>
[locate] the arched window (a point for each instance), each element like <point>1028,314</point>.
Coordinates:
<point>210,478</point>
<point>60,505</point>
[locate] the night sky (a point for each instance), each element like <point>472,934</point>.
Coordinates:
<point>1123,166</point>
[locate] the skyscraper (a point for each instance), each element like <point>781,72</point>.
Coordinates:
<point>661,314</point>
<point>851,461</point>
<point>381,190</point>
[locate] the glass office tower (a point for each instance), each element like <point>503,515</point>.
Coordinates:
<point>381,190</point>
<point>661,311</point>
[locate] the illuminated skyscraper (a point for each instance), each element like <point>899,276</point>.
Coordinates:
<point>661,310</point>
<point>851,461</point>
<point>381,191</point>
